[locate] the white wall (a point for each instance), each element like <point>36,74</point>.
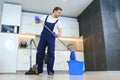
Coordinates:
<point>1,6</point>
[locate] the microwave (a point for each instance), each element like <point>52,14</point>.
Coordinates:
<point>10,29</point>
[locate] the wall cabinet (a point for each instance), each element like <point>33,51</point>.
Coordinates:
<point>11,14</point>
<point>28,25</point>
<point>70,27</point>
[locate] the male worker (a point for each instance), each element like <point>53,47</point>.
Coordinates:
<point>47,39</point>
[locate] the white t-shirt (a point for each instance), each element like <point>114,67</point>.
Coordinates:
<point>51,20</point>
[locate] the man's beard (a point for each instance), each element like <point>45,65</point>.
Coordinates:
<point>56,16</point>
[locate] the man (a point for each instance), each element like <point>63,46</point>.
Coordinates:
<point>47,39</point>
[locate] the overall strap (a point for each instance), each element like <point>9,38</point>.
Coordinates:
<point>46,18</point>
<point>56,21</point>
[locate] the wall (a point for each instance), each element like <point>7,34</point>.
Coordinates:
<point>100,27</point>
<point>1,4</point>
<point>90,23</point>
<point>110,10</point>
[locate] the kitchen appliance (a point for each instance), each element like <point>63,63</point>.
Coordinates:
<point>34,69</point>
<point>9,29</point>
<point>23,44</point>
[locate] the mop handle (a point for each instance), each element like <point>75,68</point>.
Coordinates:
<point>63,43</point>
<point>48,28</point>
<point>57,37</point>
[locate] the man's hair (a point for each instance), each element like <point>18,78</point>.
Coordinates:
<point>57,8</point>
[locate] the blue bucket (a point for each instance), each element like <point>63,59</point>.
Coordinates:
<point>75,67</point>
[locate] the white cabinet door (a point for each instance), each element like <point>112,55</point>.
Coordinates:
<point>67,58</point>
<point>23,62</point>
<point>34,57</point>
<point>39,28</point>
<point>28,24</point>
<point>11,14</point>
<point>61,58</point>
<point>70,29</point>
<point>80,56</point>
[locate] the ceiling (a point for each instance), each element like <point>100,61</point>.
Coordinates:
<point>71,8</point>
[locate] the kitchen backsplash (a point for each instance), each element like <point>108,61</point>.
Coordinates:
<point>72,43</point>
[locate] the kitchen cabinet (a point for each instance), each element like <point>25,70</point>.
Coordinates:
<point>23,62</point>
<point>28,25</point>
<point>11,14</point>
<point>70,29</point>
<point>70,26</point>
<point>61,58</point>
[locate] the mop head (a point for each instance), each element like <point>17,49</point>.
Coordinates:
<point>72,55</point>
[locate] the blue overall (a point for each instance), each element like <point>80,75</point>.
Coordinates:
<point>47,39</point>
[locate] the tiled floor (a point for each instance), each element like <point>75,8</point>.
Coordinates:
<point>64,76</point>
